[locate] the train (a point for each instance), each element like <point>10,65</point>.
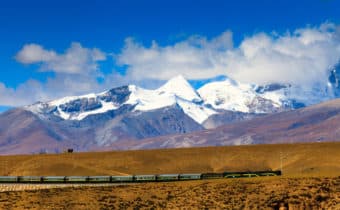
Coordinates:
<point>134,178</point>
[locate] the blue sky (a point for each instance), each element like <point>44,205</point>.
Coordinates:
<point>50,49</point>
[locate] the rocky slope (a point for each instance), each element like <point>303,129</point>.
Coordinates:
<point>317,123</point>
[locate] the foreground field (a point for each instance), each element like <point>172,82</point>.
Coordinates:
<point>311,177</point>
<point>253,193</point>
<point>312,159</point>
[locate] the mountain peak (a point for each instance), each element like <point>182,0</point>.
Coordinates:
<point>179,77</point>
<point>180,87</point>
<point>177,80</point>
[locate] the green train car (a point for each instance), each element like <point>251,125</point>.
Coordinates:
<point>122,179</point>
<point>233,175</point>
<point>53,179</point>
<point>190,176</point>
<point>76,179</point>
<point>30,179</point>
<point>145,178</point>
<point>8,179</point>
<point>167,177</point>
<point>99,179</point>
<point>212,175</point>
<point>251,174</point>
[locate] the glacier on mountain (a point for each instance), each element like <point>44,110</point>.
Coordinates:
<point>210,99</point>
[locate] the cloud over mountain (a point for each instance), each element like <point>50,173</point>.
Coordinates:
<point>195,58</point>
<point>303,56</point>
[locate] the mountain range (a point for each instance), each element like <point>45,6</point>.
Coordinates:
<point>224,112</point>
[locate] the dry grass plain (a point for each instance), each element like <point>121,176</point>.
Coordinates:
<point>309,159</point>
<point>311,178</point>
<point>256,193</point>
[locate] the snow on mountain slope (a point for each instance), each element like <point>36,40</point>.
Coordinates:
<point>166,95</point>
<point>62,106</point>
<point>227,95</point>
<point>293,95</point>
<point>210,99</point>
<point>180,87</point>
<point>197,112</point>
<point>145,100</point>
<point>235,96</point>
<point>176,90</point>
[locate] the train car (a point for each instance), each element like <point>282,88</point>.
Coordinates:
<point>30,179</point>
<point>190,176</point>
<point>144,178</point>
<point>97,179</point>
<point>53,179</point>
<point>277,173</point>
<point>167,177</point>
<point>232,175</point>
<point>269,173</point>
<point>240,174</point>
<point>76,179</point>
<point>212,175</point>
<point>250,175</point>
<point>8,179</point>
<point>121,178</point>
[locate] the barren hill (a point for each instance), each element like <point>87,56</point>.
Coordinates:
<point>318,123</point>
<point>308,159</point>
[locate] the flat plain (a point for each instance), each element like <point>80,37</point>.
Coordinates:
<point>311,178</point>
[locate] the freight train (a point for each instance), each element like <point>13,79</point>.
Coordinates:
<point>133,178</point>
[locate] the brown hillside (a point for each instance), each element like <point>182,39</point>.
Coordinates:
<point>317,123</point>
<point>307,159</point>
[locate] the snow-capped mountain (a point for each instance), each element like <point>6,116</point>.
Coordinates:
<point>234,96</point>
<point>176,91</point>
<point>80,107</point>
<point>212,98</point>
<point>123,116</point>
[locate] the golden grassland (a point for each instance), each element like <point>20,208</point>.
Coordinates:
<point>311,178</point>
<point>310,159</point>
<point>252,193</point>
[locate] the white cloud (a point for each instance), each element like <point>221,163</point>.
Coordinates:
<point>59,86</point>
<point>75,60</point>
<point>33,53</point>
<point>76,72</point>
<point>23,94</point>
<point>195,58</point>
<point>303,57</point>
